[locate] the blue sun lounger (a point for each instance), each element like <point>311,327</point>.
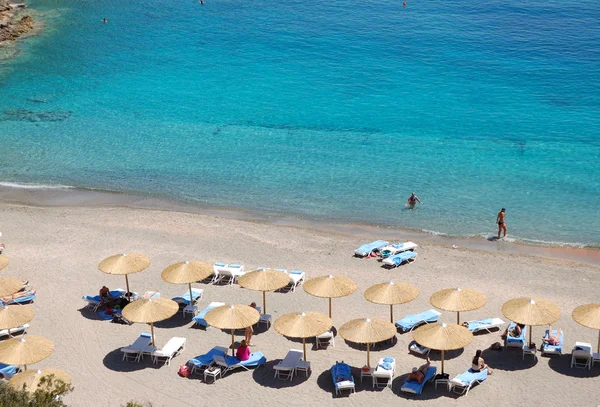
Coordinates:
<point>185,298</point>
<point>199,319</point>
<point>462,383</point>
<point>341,373</point>
<point>228,363</point>
<point>485,325</point>
<point>414,387</point>
<point>94,301</point>
<point>553,349</point>
<point>412,321</point>
<point>23,300</point>
<point>398,259</point>
<point>366,249</point>
<point>8,371</point>
<point>204,361</point>
<point>515,342</point>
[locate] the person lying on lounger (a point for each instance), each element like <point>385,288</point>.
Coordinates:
<point>15,296</point>
<point>514,332</point>
<point>478,363</point>
<point>419,374</point>
<point>552,340</point>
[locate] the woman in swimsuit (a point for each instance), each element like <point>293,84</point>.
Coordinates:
<point>412,201</point>
<point>553,340</point>
<point>478,363</point>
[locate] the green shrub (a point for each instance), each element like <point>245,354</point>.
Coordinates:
<point>47,394</point>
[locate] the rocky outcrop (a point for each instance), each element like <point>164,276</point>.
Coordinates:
<point>14,21</point>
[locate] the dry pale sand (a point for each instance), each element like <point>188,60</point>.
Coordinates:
<point>58,250</point>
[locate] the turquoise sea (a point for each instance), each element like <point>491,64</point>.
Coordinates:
<point>320,110</point>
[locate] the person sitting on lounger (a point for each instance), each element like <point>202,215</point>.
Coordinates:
<point>553,340</point>
<point>514,332</point>
<point>243,352</point>
<point>105,295</point>
<point>419,374</point>
<point>479,364</point>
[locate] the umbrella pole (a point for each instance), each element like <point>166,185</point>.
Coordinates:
<point>264,302</point>
<point>232,343</point>
<point>128,293</point>
<point>369,355</point>
<point>304,347</point>
<point>392,313</point>
<point>152,330</point>
<point>442,361</point>
<point>598,341</point>
<point>329,307</point>
<point>458,318</point>
<point>530,333</point>
<point>191,297</point>
<point>25,366</point>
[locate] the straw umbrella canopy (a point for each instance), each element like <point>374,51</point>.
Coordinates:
<point>443,337</point>
<point>124,264</point>
<point>303,325</point>
<point>391,293</point>
<point>368,331</point>
<point>150,310</point>
<point>12,316</point>
<point>458,300</point>
<point>25,350</point>
<point>330,287</point>
<point>232,317</point>
<point>531,311</point>
<point>9,286</point>
<point>264,280</point>
<point>32,379</point>
<point>588,315</point>
<point>3,262</point>
<point>187,272</point>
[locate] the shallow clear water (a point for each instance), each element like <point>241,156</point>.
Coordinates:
<point>318,109</point>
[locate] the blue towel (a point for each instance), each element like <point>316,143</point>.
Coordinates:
<point>386,366</point>
<point>400,258</point>
<point>220,264</point>
<point>369,247</point>
<point>389,359</point>
<point>106,316</point>
<point>255,359</point>
<point>199,319</point>
<point>296,272</point>
<point>469,376</point>
<point>185,299</point>
<point>411,320</point>
<point>398,245</point>
<point>556,348</point>
<point>22,300</point>
<point>519,339</point>
<point>341,372</point>
<point>473,325</point>
<point>235,266</point>
<point>414,386</point>
<point>207,358</point>
<point>7,371</point>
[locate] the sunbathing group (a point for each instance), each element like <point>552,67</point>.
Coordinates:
<point>477,365</point>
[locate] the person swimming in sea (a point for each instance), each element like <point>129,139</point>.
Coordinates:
<point>104,20</point>
<point>412,201</point>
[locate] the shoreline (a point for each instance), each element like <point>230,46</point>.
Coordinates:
<point>45,196</point>
<point>16,22</point>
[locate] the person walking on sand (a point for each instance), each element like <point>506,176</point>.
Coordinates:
<point>501,223</point>
<point>412,201</point>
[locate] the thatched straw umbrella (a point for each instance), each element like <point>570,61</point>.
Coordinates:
<point>13,316</point>
<point>125,264</point>
<point>25,350</point>
<point>458,300</point>
<point>232,317</point>
<point>531,311</point>
<point>150,310</point>
<point>391,293</point>
<point>303,325</point>
<point>187,272</point>
<point>367,331</point>
<point>330,287</point>
<point>264,280</point>
<point>443,337</point>
<point>9,286</point>
<point>588,315</point>
<point>3,262</point>
<point>32,379</point>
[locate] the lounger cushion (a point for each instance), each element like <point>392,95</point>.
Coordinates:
<point>7,371</point>
<point>296,272</point>
<point>465,379</point>
<point>411,320</point>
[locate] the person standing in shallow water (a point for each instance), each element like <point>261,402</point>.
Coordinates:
<point>501,222</point>
<point>412,201</point>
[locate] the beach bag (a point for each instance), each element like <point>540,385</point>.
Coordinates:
<point>184,371</point>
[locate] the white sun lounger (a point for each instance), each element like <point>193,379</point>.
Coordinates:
<point>14,331</point>
<point>199,319</point>
<point>462,383</point>
<point>582,356</point>
<point>485,325</point>
<point>418,349</point>
<point>393,249</point>
<point>285,369</point>
<point>381,372</point>
<point>227,363</point>
<point>326,338</point>
<point>136,349</point>
<point>368,248</point>
<point>185,298</point>
<point>228,272</point>
<point>174,347</point>
<point>400,258</point>
<point>297,277</point>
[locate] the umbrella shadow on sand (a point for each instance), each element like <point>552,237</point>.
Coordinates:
<point>265,376</point>
<point>114,361</point>
<point>429,392</point>
<point>86,313</point>
<point>176,321</point>
<point>508,359</point>
<point>562,364</point>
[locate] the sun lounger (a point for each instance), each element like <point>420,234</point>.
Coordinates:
<point>173,348</point>
<point>203,361</point>
<point>199,319</point>
<point>325,339</point>
<point>297,277</point>
<point>285,369</point>
<point>341,373</point>
<point>393,249</point>
<point>185,298</point>
<point>228,272</point>
<point>418,349</point>
<point>462,383</point>
<point>386,368</point>
<point>227,363</point>
<point>8,371</point>
<point>414,387</point>
<point>400,258</point>
<point>14,331</point>
<point>23,298</point>
<point>368,248</point>
<point>485,325</point>
<point>93,302</point>
<point>548,349</point>
<point>515,342</point>
<point>136,349</point>
<point>581,355</point>
<point>412,321</point>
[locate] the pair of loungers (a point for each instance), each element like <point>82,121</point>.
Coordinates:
<point>218,356</point>
<point>142,346</point>
<point>290,365</point>
<point>228,273</point>
<point>461,384</point>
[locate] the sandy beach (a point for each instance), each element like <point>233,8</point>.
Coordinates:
<point>58,249</point>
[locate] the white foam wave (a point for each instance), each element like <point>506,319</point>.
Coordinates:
<point>33,186</point>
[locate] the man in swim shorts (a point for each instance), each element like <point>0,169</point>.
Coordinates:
<point>501,223</point>
<point>419,374</point>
